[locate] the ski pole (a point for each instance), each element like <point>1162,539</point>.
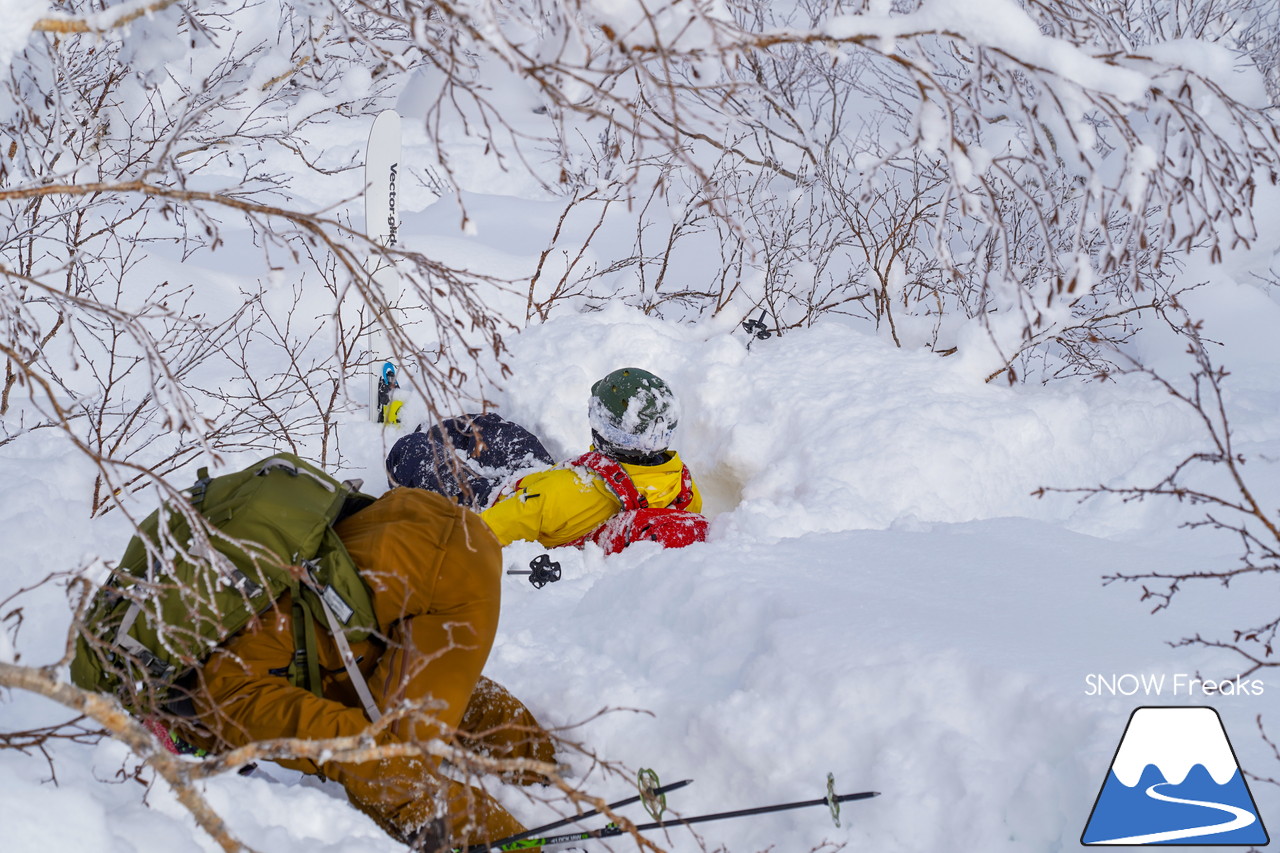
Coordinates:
<point>756,328</point>
<point>504,843</point>
<point>613,830</point>
<point>542,571</point>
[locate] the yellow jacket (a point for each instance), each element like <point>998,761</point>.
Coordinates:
<point>561,505</point>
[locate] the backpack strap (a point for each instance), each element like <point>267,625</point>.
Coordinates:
<point>350,664</point>
<point>685,497</point>
<point>304,668</point>
<point>624,488</point>
<point>615,477</point>
<point>306,657</point>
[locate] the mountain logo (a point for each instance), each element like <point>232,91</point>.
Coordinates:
<point>1175,780</point>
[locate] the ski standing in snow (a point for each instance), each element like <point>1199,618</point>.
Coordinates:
<point>382,167</point>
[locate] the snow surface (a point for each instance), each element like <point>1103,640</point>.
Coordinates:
<point>881,598</point>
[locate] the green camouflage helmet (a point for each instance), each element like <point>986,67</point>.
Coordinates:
<point>633,409</point>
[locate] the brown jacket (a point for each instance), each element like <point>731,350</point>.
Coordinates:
<point>434,570</point>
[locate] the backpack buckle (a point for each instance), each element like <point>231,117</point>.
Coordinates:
<point>200,487</point>
<point>244,585</point>
<point>154,665</point>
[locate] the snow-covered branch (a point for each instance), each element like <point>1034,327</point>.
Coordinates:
<point>116,17</point>
<point>1214,481</point>
<point>129,730</point>
<point>1065,152</point>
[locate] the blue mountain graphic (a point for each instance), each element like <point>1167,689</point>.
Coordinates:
<point>1124,812</point>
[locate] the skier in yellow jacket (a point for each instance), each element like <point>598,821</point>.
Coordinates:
<point>632,478</point>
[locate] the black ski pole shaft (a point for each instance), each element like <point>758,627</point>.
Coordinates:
<point>611,830</point>
<point>547,827</point>
<point>780,807</point>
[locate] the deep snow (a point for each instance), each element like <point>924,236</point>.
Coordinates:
<point>881,598</point>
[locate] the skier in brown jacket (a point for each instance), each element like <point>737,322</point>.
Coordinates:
<point>434,570</point>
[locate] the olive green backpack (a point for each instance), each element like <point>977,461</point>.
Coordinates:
<point>175,596</point>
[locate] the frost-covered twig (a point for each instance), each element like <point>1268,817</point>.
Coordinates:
<point>110,19</point>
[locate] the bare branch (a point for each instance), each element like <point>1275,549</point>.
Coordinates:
<point>118,17</point>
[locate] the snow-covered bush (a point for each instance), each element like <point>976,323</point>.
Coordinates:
<point>1013,179</point>
<point>140,143</point>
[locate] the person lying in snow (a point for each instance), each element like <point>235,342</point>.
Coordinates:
<point>434,571</point>
<point>467,459</point>
<point>629,487</point>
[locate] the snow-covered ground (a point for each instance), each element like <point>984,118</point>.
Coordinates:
<point>881,599</point>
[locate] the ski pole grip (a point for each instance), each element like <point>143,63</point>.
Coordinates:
<point>542,571</point>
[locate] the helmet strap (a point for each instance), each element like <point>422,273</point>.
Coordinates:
<point>630,457</point>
